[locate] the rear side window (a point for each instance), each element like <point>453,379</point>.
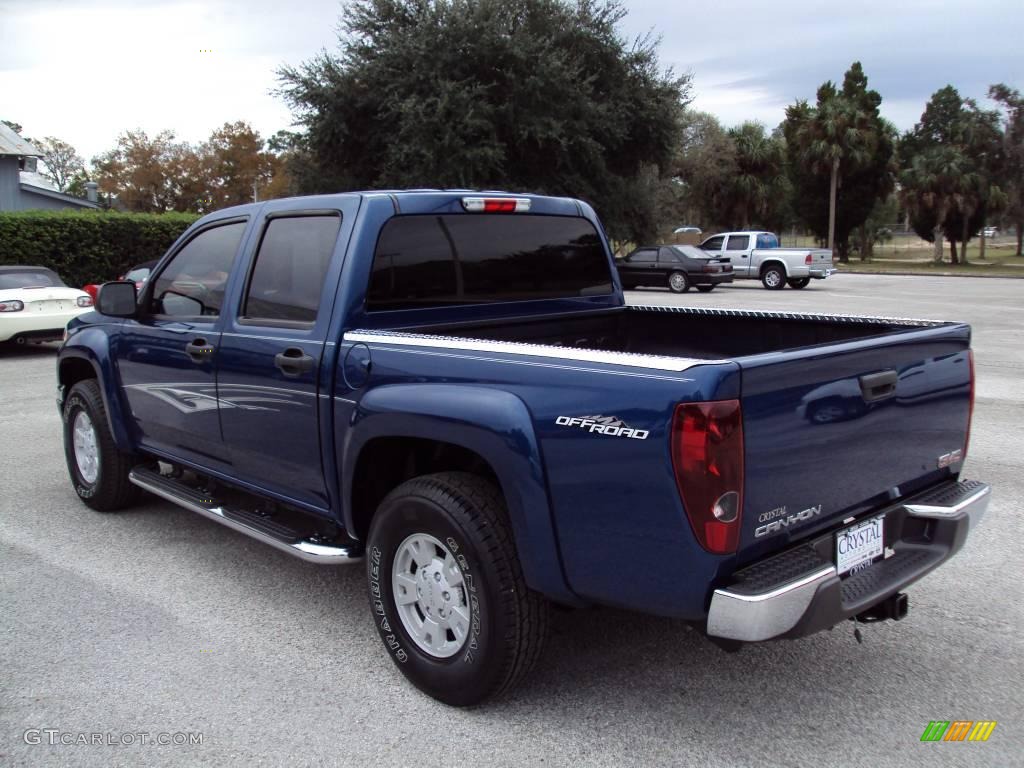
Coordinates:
<point>669,255</point>
<point>291,264</point>
<point>451,259</point>
<point>713,244</point>
<point>766,240</point>
<point>643,257</point>
<point>738,243</point>
<point>193,282</point>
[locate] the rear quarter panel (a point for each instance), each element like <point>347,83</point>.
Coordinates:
<point>601,513</point>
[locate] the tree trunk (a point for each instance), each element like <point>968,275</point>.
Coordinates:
<point>940,217</point>
<point>833,187</point>
<point>981,243</point>
<point>967,234</point>
<point>952,252</point>
<point>1020,236</point>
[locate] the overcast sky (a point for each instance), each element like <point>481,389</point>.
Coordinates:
<point>85,70</point>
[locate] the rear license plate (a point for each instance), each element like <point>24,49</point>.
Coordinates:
<point>860,543</point>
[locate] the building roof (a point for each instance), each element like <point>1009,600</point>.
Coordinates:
<point>44,192</point>
<point>12,144</point>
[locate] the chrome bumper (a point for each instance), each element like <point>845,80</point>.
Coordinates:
<point>809,595</point>
<point>820,273</point>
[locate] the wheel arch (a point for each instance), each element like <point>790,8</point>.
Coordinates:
<point>775,263</point>
<point>81,361</point>
<point>405,430</point>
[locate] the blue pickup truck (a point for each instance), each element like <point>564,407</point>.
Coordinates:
<point>450,388</point>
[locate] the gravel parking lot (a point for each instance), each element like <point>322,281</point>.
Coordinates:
<point>159,621</point>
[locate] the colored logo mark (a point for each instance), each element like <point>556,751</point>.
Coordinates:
<point>958,730</point>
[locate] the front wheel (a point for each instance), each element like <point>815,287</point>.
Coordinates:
<point>678,282</point>
<point>99,471</point>
<point>447,590</point>
<point>799,283</point>
<point>773,278</point>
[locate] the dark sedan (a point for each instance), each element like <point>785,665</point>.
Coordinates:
<point>677,266</point>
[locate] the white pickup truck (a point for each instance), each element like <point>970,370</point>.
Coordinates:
<point>756,255</point>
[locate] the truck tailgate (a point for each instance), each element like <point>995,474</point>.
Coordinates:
<point>833,430</point>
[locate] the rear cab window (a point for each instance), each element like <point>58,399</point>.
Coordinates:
<point>767,240</point>
<point>289,272</point>
<point>457,259</point>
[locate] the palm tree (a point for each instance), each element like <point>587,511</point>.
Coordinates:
<point>834,135</point>
<point>936,180</point>
<point>756,185</point>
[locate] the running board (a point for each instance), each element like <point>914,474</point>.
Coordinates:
<point>251,524</point>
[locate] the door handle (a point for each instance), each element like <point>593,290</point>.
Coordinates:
<point>878,386</point>
<point>199,350</point>
<point>293,362</point>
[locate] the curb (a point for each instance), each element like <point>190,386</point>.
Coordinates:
<point>926,274</point>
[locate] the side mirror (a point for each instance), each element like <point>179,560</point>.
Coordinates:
<point>117,299</point>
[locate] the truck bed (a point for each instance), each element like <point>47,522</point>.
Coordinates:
<point>689,332</point>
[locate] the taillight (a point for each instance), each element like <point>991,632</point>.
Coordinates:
<point>11,306</point>
<point>496,204</point>
<point>707,456</point>
<point>808,259</point>
<point>970,407</point>
<point>84,301</point>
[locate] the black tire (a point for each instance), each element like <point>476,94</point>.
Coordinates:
<point>705,288</point>
<point>678,282</point>
<point>799,283</point>
<point>508,622</point>
<point>110,490</point>
<point>773,277</point>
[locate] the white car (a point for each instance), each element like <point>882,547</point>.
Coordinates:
<point>36,305</point>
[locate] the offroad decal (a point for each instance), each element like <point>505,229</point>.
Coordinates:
<point>612,426</point>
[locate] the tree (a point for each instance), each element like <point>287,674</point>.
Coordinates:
<point>1011,177</point>
<point>704,165</point>
<point>541,95</point>
<point>841,156</point>
<point>61,159</point>
<point>151,175</point>
<point>232,167</point>
<point>949,161</point>
<point>758,188</point>
<point>237,164</point>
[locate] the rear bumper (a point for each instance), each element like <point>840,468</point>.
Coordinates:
<point>37,326</point>
<point>800,592</point>
<point>710,278</point>
<point>820,273</point>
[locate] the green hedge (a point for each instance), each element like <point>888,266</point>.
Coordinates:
<point>87,246</point>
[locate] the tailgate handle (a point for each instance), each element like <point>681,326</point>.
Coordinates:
<point>878,386</point>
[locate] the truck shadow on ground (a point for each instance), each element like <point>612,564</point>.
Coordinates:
<point>620,664</point>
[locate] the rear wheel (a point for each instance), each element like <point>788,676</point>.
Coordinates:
<point>447,591</point>
<point>98,470</point>
<point>705,288</point>
<point>678,282</point>
<point>799,283</point>
<point>773,278</point>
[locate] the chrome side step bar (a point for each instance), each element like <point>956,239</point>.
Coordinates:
<point>303,548</point>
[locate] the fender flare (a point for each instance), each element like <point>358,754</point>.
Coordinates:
<point>93,346</point>
<point>492,423</point>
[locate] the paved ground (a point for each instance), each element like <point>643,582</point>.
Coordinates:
<point>157,620</point>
